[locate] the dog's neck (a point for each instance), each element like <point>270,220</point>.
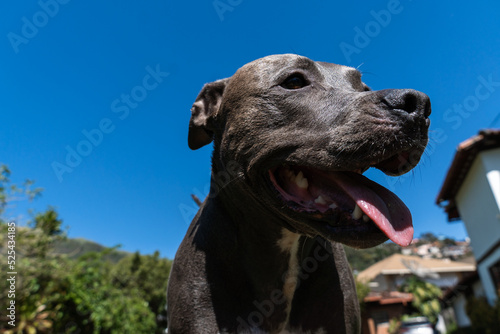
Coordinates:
<point>266,251</point>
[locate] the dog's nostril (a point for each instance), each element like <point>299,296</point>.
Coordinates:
<point>408,100</point>
<point>410,103</point>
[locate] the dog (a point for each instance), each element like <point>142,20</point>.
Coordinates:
<point>291,139</point>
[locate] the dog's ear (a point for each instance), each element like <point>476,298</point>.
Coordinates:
<point>202,113</point>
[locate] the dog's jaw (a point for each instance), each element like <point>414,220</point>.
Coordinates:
<point>346,203</point>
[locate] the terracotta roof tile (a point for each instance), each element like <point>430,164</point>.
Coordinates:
<point>462,162</point>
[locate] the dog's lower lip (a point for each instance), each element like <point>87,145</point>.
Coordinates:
<point>400,162</point>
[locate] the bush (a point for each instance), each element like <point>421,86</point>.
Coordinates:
<point>88,294</point>
<point>484,317</point>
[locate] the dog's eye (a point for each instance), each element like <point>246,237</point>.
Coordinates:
<point>295,81</point>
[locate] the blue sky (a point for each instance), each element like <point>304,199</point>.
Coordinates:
<point>125,74</point>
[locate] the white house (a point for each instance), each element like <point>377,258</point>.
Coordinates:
<point>471,192</point>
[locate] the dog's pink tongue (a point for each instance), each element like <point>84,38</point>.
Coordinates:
<point>386,210</point>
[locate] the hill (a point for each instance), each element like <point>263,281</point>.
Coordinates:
<point>360,259</point>
<point>74,248</point>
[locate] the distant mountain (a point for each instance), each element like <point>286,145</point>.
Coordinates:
<point>360,259</point>
<point>74,248</point>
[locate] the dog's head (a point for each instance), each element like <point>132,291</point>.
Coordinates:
<point>303,133</point>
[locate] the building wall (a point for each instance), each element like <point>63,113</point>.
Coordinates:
<point>478,289</point>
<point>380,284</point>
<point>491,160</point>
<point>486,279</point>
<point>459,309</point>
<point>478,202</point>
<point>477,205</point>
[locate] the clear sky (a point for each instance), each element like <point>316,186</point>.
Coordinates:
<point>125,73</point>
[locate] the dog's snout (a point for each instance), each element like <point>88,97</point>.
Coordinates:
<point>409,100</point>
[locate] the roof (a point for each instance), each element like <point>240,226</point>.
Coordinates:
<point>399,264</point>
<point>466,153</point>
<point>389,297</point>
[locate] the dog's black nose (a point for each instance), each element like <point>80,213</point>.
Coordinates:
<point>409,100</point>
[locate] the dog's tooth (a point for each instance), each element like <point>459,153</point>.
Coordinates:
<point>320,200</point>
<point>366,219</point>
<point>357,213</point>
<point>333,206</point>
<point>304,184</point>
<point>301,181</point>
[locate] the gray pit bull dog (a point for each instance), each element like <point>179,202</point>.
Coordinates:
<point>292,138</point>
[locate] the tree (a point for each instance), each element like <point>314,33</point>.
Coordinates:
<point>147,274</point>
<point>448,242</point>
<point>425,297</point>
<point>484,317</point>
<point>362,290</point>
<point>58,294</point>
<point>89,301</point>
<point>429,237</point>
<point>10,193</point>
<point>360,259</point>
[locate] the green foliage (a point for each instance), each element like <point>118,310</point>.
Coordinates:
<point>48,222</point>
<point>10,193</point>
<point>147,275</point>
<point>394,325</point>
<point>447,242</point>
<point>451,328</point>
<point>362,291</point>
<point>484,317</point>
<point>91,301</point>
<point>360,259</point>
<point>425,297</point>
<point>56,293</point>
<point>428,237</point>
<point>74,248</point>
<point>464,330</point>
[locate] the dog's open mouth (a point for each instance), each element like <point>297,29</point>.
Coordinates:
<point>360,202</point>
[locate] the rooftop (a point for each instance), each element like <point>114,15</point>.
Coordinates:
<point>389,297</point>
<point>462,162</point>
<point>398,264</point>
